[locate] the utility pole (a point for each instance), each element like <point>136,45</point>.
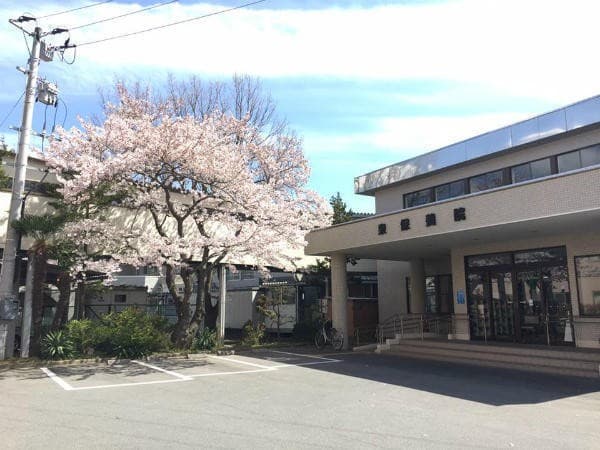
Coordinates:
<point>18,188</point>
<point>222,305</point>
<point>8,296</point>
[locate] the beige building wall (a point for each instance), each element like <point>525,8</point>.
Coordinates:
<point>391,198</point>
<point>563,210</point>
<point>391,287</point>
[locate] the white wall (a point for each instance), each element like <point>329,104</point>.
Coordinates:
<point>239,308</point>
<point>391,284</point>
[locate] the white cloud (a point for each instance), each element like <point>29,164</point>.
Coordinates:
<point>405,137</point>
<point>536,48</point>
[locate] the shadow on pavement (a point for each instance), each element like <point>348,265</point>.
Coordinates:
<point>492,386</point>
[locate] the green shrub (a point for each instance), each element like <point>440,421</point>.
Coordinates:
<point>253,334</point>
<point>130,334</point>
<point>127,334</point>
<point>82,334</point>
<point>206,340</point>
<point>57,345</point>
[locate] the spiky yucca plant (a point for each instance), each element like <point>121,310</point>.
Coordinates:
<point>57,345</point>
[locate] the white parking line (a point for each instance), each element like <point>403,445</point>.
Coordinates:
<point>139,383</point>
<point>238,361</point>
<point>305,356</point>
<point>180,377</point>
<point>160,369</point>
<point>238,372</point>
<point>312,363</point>
<point>62,383</point>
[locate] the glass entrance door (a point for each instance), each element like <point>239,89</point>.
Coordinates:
<point>531,317</point>
<point>544,306</point>
<point>502,306</point>
<point>555,286</point>
<point>520,296</point>
<point>491,306</point>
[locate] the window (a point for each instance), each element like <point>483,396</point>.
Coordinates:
<point>546,255</point>
<point>431,304</point>
<point>569,161</point>
<point>438,294</point>
<point>418,198</point>
<point>234,276</point>
<point>491,260</point>
<point>430,220</point>
<point>486,181</point>
<point>588,284</point>
<point>590,156</point>
<point>120,298</point>
<point>585,157</point>
<point>248,275</point>
<point>532,170</point>
<point>450,190</point>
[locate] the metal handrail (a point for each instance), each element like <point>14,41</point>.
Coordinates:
<point>415,323</point>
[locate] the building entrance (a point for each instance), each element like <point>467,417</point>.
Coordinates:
<point>520,297</point>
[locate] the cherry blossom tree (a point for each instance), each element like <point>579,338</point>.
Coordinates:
<point>195,192</point>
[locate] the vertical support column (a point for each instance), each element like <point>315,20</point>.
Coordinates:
<point>7,338</point>
<point>339,295</point>
<point>417,286</point>
<point>222,305</point>
<point>460,322</point>
<point>27,309</point>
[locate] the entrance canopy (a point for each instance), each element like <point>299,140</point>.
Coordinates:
<point>561,204</point>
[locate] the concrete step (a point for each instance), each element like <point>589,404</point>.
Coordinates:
<point>517,350</point>
<point>504,365</point>
<point>577,364</point>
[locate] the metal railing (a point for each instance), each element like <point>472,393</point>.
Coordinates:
<point>414,325</point>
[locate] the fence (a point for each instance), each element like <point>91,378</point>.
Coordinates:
<point>96,311</point>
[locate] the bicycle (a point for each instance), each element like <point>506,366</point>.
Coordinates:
<point>329,335</point>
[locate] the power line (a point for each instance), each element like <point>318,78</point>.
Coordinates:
<point>122,15</point>
<point>172,23</point>
<point>75,9</point>
<point>12,109</point>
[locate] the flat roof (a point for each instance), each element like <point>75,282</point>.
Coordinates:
<point>583,113</point>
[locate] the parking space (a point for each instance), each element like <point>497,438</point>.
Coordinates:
<point>311,400</point>
<point>122,374</point>
<point>281,359</point>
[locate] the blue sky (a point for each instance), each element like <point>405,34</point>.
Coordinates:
<point>365,83</point>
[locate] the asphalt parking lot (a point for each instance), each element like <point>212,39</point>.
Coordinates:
<point>294,398</point>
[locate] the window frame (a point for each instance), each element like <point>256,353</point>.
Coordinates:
<point>581,309</point>
<point>507,177</point>
<point>430,192</point>
<point>502,173</point>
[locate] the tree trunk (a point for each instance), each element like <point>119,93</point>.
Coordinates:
<point>80,300</point>
<point>197,321</point>
<point>39,278</point>
<point>211,312</point>
<point>62,307</point>
<point>180,336</point>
